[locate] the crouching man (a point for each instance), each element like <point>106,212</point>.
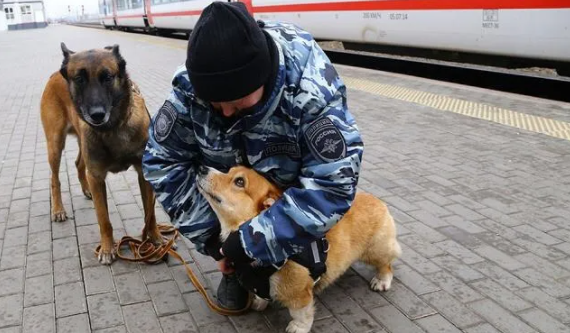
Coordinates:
<point>263,95</point>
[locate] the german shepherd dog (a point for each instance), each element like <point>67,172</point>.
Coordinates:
<point>92,97</point>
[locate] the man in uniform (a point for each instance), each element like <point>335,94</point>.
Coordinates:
<point>263,95</point>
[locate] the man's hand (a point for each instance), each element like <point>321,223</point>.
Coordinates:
<point>225,266</point>
<point>233,250</point>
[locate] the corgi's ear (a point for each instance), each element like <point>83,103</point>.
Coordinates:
<point>268,203</point>
<point>270,198</point>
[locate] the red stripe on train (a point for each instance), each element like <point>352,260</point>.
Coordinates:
<point>413,5</point>
<point>130,16</point>
<point>182,13</point>
<point>388,5</point>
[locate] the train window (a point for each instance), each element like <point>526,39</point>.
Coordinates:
<point>102,9</point>
<point>136,3</point>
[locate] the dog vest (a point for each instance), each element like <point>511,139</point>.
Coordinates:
<point>256,279</point>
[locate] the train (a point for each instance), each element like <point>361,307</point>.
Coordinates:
<point>532,29</point>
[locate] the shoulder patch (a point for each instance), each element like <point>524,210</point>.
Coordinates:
<point>164,122</point>
<point>325,140</point>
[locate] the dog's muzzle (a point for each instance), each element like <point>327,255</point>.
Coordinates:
<point>204,185</point>
<point>96,116</point>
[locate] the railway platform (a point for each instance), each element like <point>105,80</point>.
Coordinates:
<point>478,182</point>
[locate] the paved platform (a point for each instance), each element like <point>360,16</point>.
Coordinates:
<point>478,182</point>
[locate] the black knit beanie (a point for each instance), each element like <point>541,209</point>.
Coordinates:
<point>228,56</point>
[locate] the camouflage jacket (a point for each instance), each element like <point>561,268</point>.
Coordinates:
<point>303,138</point>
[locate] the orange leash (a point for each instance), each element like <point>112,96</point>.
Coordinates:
<point>145,251</point>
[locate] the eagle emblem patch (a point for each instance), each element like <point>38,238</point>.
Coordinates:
<point>325,140</point>
<point>164,121</point>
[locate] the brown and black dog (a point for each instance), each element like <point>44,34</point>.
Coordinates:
<point>92,97</point>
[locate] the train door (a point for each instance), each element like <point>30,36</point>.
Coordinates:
<point>114,4</point>
<point>148,21</point>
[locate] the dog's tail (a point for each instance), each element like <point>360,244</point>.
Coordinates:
<point>397,249</point>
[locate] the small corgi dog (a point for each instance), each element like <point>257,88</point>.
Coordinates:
<point>367,232</point>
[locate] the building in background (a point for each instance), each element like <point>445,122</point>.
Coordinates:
<point>3,24</point>
<point>23,14</point>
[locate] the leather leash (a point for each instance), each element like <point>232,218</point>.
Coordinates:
<point>145,251</point>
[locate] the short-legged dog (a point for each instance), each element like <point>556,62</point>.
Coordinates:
<point>92,96</point>
<point>366,232</point>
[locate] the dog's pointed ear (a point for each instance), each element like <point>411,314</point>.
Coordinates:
<point>120,59</point>
<point>66,54</point>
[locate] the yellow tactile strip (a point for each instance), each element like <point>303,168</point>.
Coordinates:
<point>551,127</point>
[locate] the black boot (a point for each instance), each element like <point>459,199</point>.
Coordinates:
<point>231,295</point>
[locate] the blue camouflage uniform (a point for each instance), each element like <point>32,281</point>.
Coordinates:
<point>303,138</point>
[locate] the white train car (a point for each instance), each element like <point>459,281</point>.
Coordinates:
<point>130,13</point>
<point>107,13</point>
<point>523,28</point>
<point>151,15</point>
<point>538,29</point>
<point>175,15</point>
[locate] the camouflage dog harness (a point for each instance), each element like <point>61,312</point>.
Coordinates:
<point>256,279</point>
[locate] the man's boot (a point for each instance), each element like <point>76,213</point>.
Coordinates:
<point>231,295</point>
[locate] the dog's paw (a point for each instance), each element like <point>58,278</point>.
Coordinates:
<point>107,257</point>
<point>382,284</point>
<point>59,216</point>
<point>297,327</point>
<point>154,237</point>
<point>259,304</point>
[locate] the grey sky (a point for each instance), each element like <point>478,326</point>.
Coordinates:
<point>58,8</point>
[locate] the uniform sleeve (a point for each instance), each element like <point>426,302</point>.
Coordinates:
<point>332,149</point>
<point>169,164</point>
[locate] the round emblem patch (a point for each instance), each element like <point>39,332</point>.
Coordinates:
<point>164,121</point>
<point>325,140</point>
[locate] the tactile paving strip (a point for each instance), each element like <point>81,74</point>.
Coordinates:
<point>551,127</point>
